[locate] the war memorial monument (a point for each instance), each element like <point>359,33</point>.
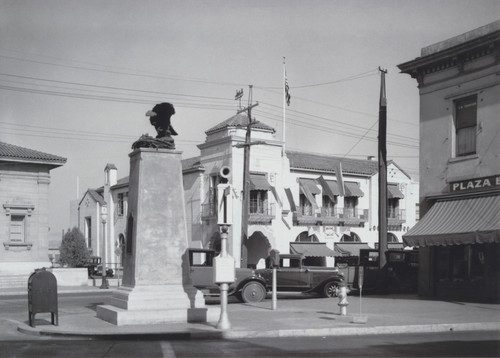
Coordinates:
<point>156,284</point>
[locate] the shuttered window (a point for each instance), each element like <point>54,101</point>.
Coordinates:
<point>17,228</point>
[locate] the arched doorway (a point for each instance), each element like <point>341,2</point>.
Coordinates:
<point>391,238</point>
<point>353,237</point>
<point>258,248</point>
<point>305,237</point>
<point>310,236</point>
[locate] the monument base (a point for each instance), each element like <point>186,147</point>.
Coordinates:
<point>157,304</point>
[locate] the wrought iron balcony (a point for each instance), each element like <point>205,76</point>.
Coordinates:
<point>208,210</point>
<point>260,212</point>
<point>396,217</point>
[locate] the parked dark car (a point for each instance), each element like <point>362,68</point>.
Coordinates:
<point>94,267</point>
<point>400,274</point>
<point>293,276</point>
<point>253,285</point>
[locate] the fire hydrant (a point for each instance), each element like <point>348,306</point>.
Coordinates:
<point>342,294</point>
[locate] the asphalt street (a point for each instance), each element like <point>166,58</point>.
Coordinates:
<point>448,344</point>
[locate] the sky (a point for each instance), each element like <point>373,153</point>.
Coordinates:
<point>77,77</point>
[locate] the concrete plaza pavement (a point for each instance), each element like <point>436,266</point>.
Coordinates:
<point>296,315</point>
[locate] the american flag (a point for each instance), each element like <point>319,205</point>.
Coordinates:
<point>287,91</point>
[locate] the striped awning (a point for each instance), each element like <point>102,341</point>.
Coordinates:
<point>259,182</point>
<point>350,249</point>
<point>312,249</point>
<point>309,184</point>
<point>393,192</point>
<point>352,189</point>
<point>289,196</point>
<point>330,187</point>
<point>308,187</point>
<point>458,222</point>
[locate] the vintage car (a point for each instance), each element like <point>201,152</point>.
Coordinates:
<point>94,267</point>
<point>293,276</point>
<point>400,274</point>
<point>253,285</point>
<point>248,287</point>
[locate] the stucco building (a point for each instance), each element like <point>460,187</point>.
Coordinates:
<point>296,202</point>
<point>24,223</point>
<point>459,233</point>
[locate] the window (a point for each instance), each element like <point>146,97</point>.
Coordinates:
<point>258,202</point>
<point>17,232</point>
<point>465,126</point>
<point>393,208</point>
<point>329,206</point>
<point>350,206</point>
<point>88,231</point>
<point>306,208</point>
<point>212,193</point>
<point>17,228</point>
<point>121,203</point>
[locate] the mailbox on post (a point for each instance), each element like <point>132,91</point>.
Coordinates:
<point>42,296</point>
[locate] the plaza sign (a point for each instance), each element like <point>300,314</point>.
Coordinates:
<point>492,182</point>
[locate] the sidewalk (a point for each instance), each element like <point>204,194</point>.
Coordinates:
<point>296,315</point>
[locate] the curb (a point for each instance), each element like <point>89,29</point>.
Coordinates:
<point>363,331</point>
<point>239,334</point>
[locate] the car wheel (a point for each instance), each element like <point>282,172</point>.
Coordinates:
<point>253,292</point>
<point>330,289</point>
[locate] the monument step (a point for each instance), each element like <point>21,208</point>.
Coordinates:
<point>13,281</point>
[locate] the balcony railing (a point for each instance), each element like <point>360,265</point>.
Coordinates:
<point>208,210</point>
<point>395,217</point>
<point>260,212</point>
<point>331,216</point>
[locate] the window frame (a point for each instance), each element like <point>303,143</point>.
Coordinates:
<point>23,211</point>
<point>259,202</point>
<point>464,130</point>
<point>305,206</point>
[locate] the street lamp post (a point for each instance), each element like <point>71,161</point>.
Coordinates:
<point>104,218</point>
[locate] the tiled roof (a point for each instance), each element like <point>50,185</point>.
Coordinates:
<point>96,196</point>
<point>238,121</point>
<point>327,163</point>
<point>14,152</point>
<point>191,163</point>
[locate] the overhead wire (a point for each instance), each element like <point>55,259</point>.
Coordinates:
<point>117,97</point>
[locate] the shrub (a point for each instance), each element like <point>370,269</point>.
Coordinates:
<point>73,251</point>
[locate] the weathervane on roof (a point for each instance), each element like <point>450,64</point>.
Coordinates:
<point>159,117</point>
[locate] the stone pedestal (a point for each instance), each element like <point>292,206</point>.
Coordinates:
<point>156,284</point>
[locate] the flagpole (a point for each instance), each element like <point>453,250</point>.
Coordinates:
<point>284,107</point>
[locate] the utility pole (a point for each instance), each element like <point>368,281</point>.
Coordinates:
<point>246,179</point>
<point>382,173</point>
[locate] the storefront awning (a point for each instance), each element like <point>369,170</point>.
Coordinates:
<point>458,222</point>
<point>393,192</point>
<point>259,182</point>
<point>314,249</point>
<point>349,249</point>
<point>352,189</point>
